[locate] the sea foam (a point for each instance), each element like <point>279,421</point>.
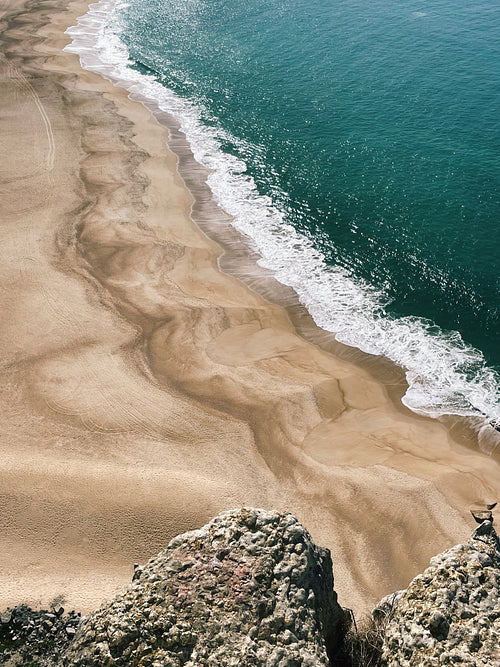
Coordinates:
<point>445,376</point>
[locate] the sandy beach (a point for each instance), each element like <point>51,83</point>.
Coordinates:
<point>143,390</point>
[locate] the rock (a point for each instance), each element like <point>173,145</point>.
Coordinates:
<point>451,613</point>
<point>386,606</point>
<point>249,588</point>
<point>29,637</point>
<point>6,617</point>
<point>482,515</point>
<point>495,423</point>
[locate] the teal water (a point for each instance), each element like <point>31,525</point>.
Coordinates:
<point>371,129</point>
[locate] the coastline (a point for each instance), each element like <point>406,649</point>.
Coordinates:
<point>240,259</point>
<point>444,374</point>
<point>163,390</point>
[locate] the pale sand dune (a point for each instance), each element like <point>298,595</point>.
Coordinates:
<point>143,390</point>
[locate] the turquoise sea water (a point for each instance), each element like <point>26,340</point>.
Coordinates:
<point>357,143</point>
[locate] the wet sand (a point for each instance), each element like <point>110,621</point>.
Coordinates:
<point>143,390</point>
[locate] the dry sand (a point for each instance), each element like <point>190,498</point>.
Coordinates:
<point>143,390</point>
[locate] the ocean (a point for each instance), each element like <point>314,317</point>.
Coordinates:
<point>355,143</point>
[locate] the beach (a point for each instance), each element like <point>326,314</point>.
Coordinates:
<point>144,390</point>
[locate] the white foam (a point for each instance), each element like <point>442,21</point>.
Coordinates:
<point>445,376</point>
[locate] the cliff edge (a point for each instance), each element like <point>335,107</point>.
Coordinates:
<point>450,614</point>
<point>249,588</point>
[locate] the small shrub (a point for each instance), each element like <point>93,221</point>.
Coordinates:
<point>361,644</point>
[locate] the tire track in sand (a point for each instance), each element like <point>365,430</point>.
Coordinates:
<point>25,85</point>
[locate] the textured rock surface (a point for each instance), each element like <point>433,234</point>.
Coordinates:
<point>249,588</point>
<point>450,614</point>
<point>35,638</point>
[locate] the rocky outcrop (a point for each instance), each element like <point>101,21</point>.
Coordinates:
<point>249,588</point>
<point>35,638</point>
<point>450,614</point>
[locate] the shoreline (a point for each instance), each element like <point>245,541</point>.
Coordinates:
<point>166,390</point>
<point>239,258</point>
<point>328,293</point>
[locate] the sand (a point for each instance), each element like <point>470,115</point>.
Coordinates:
<point>143,390</point>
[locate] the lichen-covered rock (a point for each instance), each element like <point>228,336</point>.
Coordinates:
<point>249,588</point>
<point>450,614</point>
